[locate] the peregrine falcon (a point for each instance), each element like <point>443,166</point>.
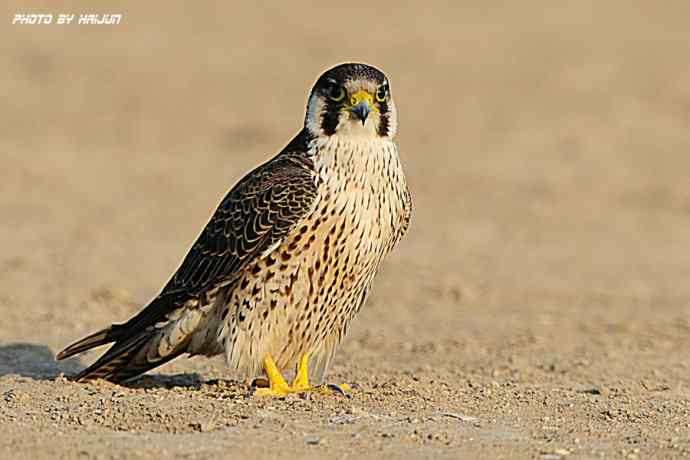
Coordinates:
<point>289,256</point>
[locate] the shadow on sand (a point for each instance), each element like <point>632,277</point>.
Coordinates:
<point>38,362</point>
<point>34,361</point>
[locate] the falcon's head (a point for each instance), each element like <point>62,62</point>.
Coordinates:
<point>351,100</point>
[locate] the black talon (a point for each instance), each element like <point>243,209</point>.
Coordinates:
<point>259,382</point>
<point>337,389</point>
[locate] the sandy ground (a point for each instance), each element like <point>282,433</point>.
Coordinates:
<point>539,307</point>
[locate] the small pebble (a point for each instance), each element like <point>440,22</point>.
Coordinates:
<point>557,454</point>
<point>312,440</point>
<point>459,416</point>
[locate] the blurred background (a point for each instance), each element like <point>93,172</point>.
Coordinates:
<point>546,145</point>
<point>543,287</point>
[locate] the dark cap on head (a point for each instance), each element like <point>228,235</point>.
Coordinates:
<point>350,71</point>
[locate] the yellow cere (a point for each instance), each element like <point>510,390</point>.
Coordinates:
<point>362,95</point>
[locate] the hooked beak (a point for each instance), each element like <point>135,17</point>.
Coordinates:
<point>361,111</point>
<point>361,105</point>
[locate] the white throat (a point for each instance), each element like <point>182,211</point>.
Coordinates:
<point>354,129</point>
<point>352,154</point>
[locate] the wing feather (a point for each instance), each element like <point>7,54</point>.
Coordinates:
<point>257,214</point>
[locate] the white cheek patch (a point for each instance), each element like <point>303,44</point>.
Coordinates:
<point>315,108</point>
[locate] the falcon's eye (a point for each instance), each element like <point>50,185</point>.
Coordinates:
<point>336,93</point>
<point>382,93</point>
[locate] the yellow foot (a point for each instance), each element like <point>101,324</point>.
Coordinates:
<point>275,392</point>
<point>342,389</point>
<point>278,387</point>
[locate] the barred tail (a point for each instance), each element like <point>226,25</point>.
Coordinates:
<point>137,347</point>
<point>107,335</point>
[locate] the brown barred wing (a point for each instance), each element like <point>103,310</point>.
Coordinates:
<point>257,214</point>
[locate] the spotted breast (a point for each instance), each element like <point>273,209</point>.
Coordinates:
<point>301,296</point>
